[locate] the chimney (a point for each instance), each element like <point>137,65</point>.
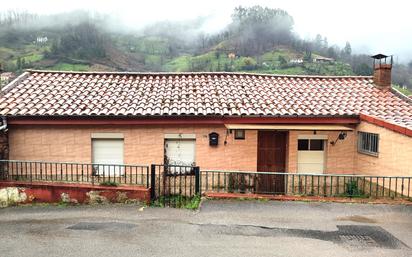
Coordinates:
<point>382,69</point>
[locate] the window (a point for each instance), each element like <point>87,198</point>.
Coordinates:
<point>368,143</point>
<point>316,145</point>
<point>180,152</point>
<point>239,134</point>
<point>311,144</point>
<point>109,152</point>
<point>303,144</point>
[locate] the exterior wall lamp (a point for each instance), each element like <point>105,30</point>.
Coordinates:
<point>342,135</point>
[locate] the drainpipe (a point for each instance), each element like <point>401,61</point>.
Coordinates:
<point>4,122</point>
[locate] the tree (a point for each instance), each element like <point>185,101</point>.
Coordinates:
<point>410,65</point>
<point>282,60</point>
<point>82,41</point>
<point>248,63</point>
<point>325,42</point>
<point>308,56</point>
<point>347,50</point>
<point>258,29</point>
<point>18,63</point>
<point>363,69</point>
<point>332,53</point>
<point>318,42</point>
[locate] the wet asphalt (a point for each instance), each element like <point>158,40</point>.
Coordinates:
<point>219,228</point>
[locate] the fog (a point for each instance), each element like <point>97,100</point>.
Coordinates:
<point>371,26</point>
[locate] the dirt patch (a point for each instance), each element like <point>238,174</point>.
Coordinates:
<point>357,218</point>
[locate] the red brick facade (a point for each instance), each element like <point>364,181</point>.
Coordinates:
<point>145,145</point>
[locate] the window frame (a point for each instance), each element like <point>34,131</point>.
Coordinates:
<point>309,144</point>
<point>111,169</point>
<point>237,137</point>
<point>370,151</point>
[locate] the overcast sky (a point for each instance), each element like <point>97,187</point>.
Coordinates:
<point>370,25</point>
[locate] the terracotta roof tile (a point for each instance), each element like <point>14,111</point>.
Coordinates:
<point>49,93</point>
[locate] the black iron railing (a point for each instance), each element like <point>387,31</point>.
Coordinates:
<point>94,173</point>
<point>174,185</point>
<point>328,185</point>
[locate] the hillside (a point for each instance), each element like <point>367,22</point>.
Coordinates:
<point>258,40</point>
<point>147,53</point>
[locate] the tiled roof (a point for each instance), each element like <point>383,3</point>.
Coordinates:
<point>47,93</point>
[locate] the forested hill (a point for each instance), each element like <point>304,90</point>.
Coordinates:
<point>257,40</point>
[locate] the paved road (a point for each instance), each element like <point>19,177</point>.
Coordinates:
<point>221,228</point>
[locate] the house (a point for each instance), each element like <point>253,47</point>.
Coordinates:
<point>6,77</point>
<point>296,61</point>
<point>224,121</point>
<point>321,59</point>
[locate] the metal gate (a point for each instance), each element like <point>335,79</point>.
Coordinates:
<point>174,185</point>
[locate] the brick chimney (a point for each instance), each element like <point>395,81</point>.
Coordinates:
<point>382,71</point>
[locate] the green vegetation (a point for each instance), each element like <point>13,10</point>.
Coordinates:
<point>404,91</point>
<point>352,190</point>
<point>70,67</point>
<point>178,201</point>
<point>258,40</point>
<point>109,183</point>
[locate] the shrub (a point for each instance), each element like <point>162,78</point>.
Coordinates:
<point>352,189</point>
<point>109,183</point>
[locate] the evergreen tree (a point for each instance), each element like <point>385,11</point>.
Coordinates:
<point>19,63</point>
<point>347,50</point>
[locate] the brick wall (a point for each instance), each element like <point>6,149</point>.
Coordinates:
<point>382,76</point>
<point>142,145</point>
<point>395,153</point>
<point>145,145</point>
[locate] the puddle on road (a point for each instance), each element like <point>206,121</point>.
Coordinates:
<point>350,236</point>
<point>94,226</point>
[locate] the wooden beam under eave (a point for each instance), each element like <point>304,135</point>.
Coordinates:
<point>175,120</point>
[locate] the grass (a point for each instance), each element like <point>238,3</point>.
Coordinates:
<point>70,67</point>
<point>109,184</point>
<point>33,57</point>
<point>178,64</point>
<point>178,201</point>
<point>403,90</point>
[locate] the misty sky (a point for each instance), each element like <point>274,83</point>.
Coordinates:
<point>370,25</point>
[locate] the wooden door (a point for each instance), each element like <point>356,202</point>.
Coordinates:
<point>271,158</point>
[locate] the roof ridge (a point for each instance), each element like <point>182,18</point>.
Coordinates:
<point>14,82</point>
<point>401,95</point>
<point>196,73</point>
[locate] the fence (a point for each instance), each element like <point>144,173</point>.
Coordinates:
<point>92,173</point>
<point>177,186</point>
<point>173,185</point>
<point>327,185</point>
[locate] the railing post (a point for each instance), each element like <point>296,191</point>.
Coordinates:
<point>152,181</point>
<point>2,171</point>
<point>147,177</point>
<point>92,173</point>
<point>197,180</point>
